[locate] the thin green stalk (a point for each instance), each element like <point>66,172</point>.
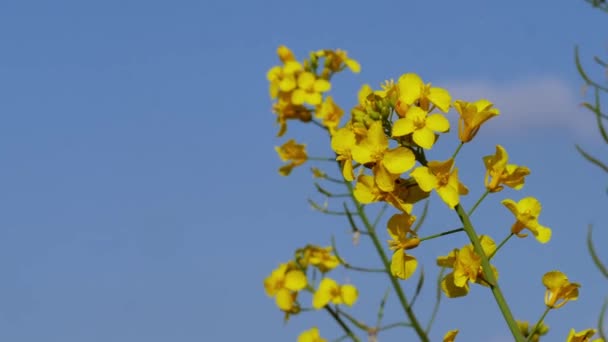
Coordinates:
<point>353,320</point>
<point>488,274</point>
<point>342,324</point>
<point>387,266</point>
<point>478,202</point>
<point>322,159</point>
<point>394,325</point>
<point>457,150</point>
<point>442,234</point>
<point>500,245</point>
<point>537,325</point>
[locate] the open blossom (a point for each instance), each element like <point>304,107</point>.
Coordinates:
<point>330,291</point>
<point>309,89</point>
<point>559,289</point>
<point>526,213</point>
<point>472,116</point>
<point>499,173</point>
<point>330,113</point>
<point>320,257</point>
<point>406,192</point>
<point>466,264</point>
<point>443,178</point>
<point>388,163</point>
<point>342,142</point>
<point>421,126</point>
<point>403,238</point>
<point>283,284</point>
<point>412,91</point>
<point>293,153</point>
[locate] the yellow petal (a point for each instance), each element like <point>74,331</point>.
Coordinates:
<point>451,290</point>
<point>399,160</point>
<point>403,265</point>
<point>438,123</point>
<point>349,294</point>
<point>554,279</point>
<point>284,299</point>
<point>542,233</point>
<point>424,138</point>
<point>410,86</point>
<point>449,195</point>
<point>440,98</point>
<point>450,336</point>
<point>403,127</point>
<point>324,293</point>
<point>384,179</point>
<point>295,280</point>
<point>425,179</point>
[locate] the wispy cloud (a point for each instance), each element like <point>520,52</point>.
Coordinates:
<point>530,103</point>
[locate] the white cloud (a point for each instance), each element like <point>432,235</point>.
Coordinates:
<point>530,103</point>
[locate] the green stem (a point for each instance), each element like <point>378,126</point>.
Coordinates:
<point>540,321</point>
<point>457,150</point>
<point>321,159</point>
<point>488,274</point>
<point>442,234</point>
<point>394,325</point>
<point>342,324</point>
<point>387,266</point>
<point>500,245</point>
<point>353,320</point>
<point>478,203</point>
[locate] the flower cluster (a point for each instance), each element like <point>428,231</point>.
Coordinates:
<point>381,151</point>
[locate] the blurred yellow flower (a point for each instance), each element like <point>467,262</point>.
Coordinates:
<point>311,335</point>
<point>412,91</point>
<point>320,257</point>
<point>498,172</point>
<point>330,113</point>
<point>450,336</point>
<point>342,142</point>
<point>583,336</point>
<point>293,153</point>
<point>283,284</point>
<point>330,291</point>
<point>309,89</point>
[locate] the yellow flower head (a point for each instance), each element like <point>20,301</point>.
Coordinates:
<point>320,257</point>
<point>330,113</point>
<point>293,153</point>
<point>342,142</point>
<point>420,126</point>
<point>583,336</point>
<point>526,213</point>
<point>412,91</point>
<point>403,238</point>
<point>330,291</point>
<point>559,289</point>
<point>450,336</point>
<point>443,178</point>
<point>311,335</point>
<point>467,267</point>
<point>388,164</point>
<point>472,116</point>
<point>524,328</point>
<point>406,192</point>
<point>498,172</point>
<point>310,89</point>
<point>283,284</point>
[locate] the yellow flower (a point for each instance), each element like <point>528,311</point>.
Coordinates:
<point>388,163</point>
<point>286,110</point>
<point>283,78</point>
<point>311,335</point>
<point>403,238</point>
<point>337,60</point>
<point>559,289</point>
<point>330,113</point>
<point>291,152</point>
<point>499,172</point>
<point>472,116</point>
<point>404,195</point>
<point>283,284</point>
<point>320,257</point>
<point>421,126</point>
<point>309,89</point>
<point>450,336</point>
<point>526,212</point>
<point>443,178</point>
<point>467,267</point>
<point>342,142</point>
<point>330,291</point>
<point>583,336</point>
<point>413,91</point>
<point>524,328</point>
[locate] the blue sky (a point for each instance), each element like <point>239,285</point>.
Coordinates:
<point>138,182</point>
